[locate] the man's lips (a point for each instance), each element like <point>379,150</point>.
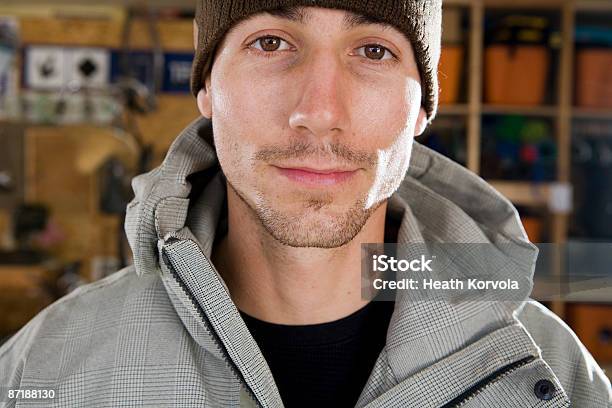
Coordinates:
<point>320,171</point>
<point>317,177</point>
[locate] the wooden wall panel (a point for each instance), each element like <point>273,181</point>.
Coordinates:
<point>53,177</point>
<point>62,161</point>
<point>174,113</point>
<point>101,32</point>
<point>87,236</point>
<point>174,34</point>
<point>11,164</point>
<point>4,227</point>
<point>62,164</point>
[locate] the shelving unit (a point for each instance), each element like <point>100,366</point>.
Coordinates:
<point>524,193</point>
<point>540,111</point>
<point>561,112</point>
<point>586,113</point>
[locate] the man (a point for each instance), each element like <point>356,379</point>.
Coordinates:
<point>246,284</point>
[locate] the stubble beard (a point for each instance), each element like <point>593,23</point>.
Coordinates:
<point>305,230</point>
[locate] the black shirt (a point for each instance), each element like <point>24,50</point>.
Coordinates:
<point>326,364</point>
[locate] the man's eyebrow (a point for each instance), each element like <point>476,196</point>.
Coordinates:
<point>351,20</point>
<point>294,13</point>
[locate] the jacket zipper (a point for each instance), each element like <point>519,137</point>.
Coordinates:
<point>484,383</point>
<point>216,339</point>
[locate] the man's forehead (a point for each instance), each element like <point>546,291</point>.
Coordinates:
<point>303,15</point>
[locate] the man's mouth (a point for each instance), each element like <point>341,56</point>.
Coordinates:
<point>317,176</point>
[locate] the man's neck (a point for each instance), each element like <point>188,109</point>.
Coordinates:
<point>287,285</point>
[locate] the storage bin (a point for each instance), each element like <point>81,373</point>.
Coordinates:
<point>593,325</point>
<point>516,74</point>
<point>533,228</point>
<point>594,78</point>
<point>450,72</point>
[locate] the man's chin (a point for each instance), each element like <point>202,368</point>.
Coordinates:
<point>314,221</point>
<point>315,227</point>
<point>325,239</point>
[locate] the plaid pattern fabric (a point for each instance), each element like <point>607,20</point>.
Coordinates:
<point>164,332</point>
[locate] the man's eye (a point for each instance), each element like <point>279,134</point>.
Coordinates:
<point>375,52</point>
<point>270,43</point>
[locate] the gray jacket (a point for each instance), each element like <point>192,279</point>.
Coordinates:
<point>164,331</point>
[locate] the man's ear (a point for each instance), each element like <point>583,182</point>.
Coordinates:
<point>204,98</point>
<point>421,123</point>
<point>195,35</point>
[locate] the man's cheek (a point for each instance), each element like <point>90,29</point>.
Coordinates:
<point>227,149</point>
<point>393,162</point>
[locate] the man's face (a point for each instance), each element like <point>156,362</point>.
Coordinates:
<point>315,95</point>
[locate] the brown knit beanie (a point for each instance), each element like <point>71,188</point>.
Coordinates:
<point>420,20</point>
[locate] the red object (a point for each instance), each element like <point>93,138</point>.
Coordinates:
<point>529,154</point>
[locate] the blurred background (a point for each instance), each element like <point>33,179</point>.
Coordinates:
<point>92,95</point>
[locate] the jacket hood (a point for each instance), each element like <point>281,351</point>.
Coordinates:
<point>438,201</point>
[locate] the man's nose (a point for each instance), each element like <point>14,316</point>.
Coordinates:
<point>322,105</point>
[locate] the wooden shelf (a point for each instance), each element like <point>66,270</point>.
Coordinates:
<point>527,4</point>
<point>602,295</point>
<point>548,111</point>
<point>544,111</point>
<point>523,192</point>
<point>592,113</point>
<point>592,5</point>
<point>465,3</point>
<point>454,109</point>
<point>578,5</point>
<point>508,3</point>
